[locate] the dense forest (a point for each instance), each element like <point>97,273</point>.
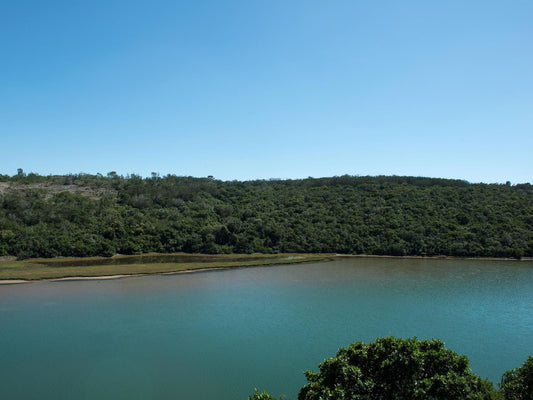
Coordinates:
<point>90,215</point>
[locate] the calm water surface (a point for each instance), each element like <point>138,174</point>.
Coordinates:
<point>218,335</point>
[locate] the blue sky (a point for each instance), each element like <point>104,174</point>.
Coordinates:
<point>268,89</point>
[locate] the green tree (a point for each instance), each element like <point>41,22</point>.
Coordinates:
<point>392,368</point>
<point>517,384</point>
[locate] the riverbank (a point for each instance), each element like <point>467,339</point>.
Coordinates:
<point>441,257</point>
<point>97,268</point>
<point>121,266</point>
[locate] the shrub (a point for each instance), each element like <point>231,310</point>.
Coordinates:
<point>392,368</point>
<point>517,384</point>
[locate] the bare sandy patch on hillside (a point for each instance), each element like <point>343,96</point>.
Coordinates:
<point>54,188</point>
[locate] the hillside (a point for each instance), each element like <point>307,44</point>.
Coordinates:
<point>90,215</point>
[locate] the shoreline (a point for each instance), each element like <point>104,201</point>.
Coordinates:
<point>289,260</point>
<point>433,257</point>
<point>328,257</point>
<point>120,276</point>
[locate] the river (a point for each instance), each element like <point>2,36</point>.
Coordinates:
<point>217,335</point>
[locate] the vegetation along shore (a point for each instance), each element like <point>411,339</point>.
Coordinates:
<point>19,271</point>
<point>94,215</point>
<point>120,266</point>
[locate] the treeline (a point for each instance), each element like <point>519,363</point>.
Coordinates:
<point>90,215</point>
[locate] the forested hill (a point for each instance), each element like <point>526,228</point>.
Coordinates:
<point>88,215</point>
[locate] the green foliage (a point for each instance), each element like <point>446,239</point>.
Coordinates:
<point>261,396</point>
<point>517,384</point>
<point>91,215</point>
<point>406,369</point>
<point>392,368</point>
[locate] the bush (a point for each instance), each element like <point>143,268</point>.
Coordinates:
<point>407,369</point>
<point>392,368</point>
<point>517,384</point>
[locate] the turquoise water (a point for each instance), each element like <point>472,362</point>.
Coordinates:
<point>217,335</point>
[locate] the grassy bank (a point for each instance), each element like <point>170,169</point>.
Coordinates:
<point>58,268</point>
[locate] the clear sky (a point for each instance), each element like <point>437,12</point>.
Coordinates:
<point>268,88</point>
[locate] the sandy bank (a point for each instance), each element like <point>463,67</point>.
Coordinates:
<point>105,277</point>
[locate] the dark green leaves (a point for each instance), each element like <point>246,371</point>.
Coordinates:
<point>392,368</point>
<point>77,215</point>
<point>517,384</point>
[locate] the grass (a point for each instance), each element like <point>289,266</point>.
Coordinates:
<point>38,269</point>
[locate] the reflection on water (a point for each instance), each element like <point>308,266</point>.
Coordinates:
<point>151,259</point>
<point>220,334</point>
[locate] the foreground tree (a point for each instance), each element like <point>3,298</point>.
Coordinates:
<point>517,384</point>
<point>399,369</point>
